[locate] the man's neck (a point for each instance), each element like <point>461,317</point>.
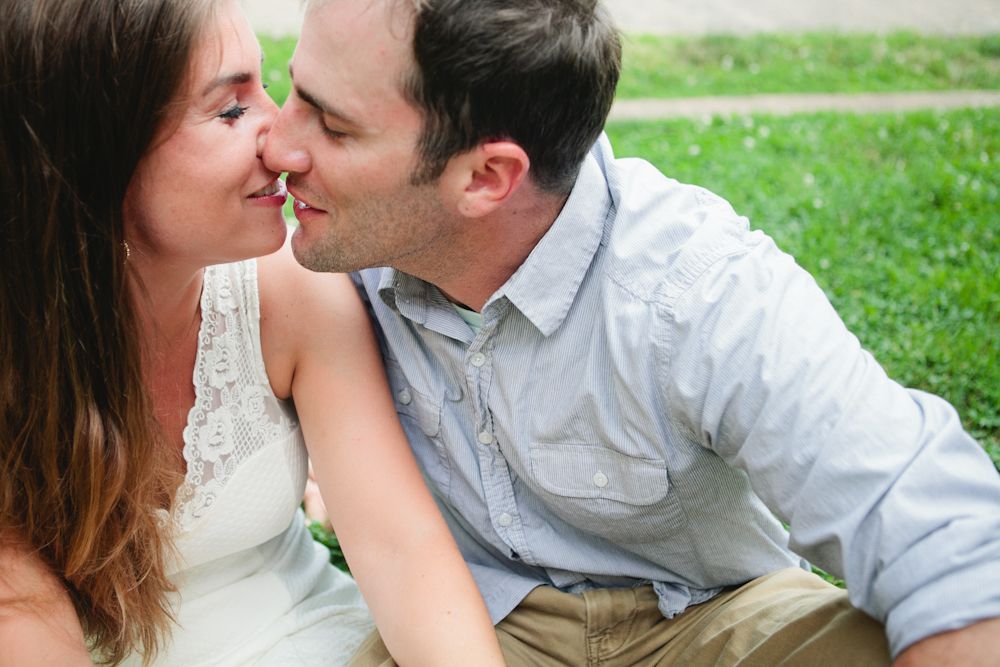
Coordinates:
<point>491,249</point>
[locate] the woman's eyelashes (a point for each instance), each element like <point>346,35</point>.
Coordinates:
<point>234,112</point>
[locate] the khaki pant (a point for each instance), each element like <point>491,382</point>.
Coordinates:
<point>788,618</point>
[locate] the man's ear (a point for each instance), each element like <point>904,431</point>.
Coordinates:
<point>486,177</point>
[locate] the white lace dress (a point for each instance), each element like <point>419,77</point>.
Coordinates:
<point>253,587</point>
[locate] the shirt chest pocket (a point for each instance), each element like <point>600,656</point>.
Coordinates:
<point>604,492</point>
<point>420,415</point>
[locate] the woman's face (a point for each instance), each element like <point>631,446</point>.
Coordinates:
<point>202,195</point>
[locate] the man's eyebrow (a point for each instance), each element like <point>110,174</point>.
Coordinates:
<point>237,79</point>
<point>317,103</point>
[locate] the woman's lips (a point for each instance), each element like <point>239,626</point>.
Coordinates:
<point>272,194</point>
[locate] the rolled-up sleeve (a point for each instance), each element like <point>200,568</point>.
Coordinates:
<point>877,483</point>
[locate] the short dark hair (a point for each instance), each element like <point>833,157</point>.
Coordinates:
<point>541,73</point>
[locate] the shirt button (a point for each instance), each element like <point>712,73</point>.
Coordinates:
<point>404,396</point>
<point>600,480</point>
<point>477,359</point>
<point>486,438</point>
<point>505,520</point>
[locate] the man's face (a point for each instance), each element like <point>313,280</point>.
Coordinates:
<point>348,139</point>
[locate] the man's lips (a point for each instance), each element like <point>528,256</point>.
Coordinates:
<point>301,203</point>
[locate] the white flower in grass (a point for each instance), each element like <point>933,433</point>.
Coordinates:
<point>727,62</point>
<point>694,150</point>
<point>749,143</point>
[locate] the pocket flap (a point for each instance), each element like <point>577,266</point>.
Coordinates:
<point>592,471</point>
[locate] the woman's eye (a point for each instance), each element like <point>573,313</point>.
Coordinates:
<point>233,113</point>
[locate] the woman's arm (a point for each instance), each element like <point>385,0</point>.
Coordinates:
<point>38,625</point>
<point>421,594</point>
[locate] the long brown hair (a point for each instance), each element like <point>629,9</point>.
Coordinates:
<point>84,87</point>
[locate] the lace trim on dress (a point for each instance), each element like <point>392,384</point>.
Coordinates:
<point>235,413</point>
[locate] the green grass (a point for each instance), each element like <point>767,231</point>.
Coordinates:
<point>326,537</point>
<point>819,62</point>
<point>277,54</point>
<point>895,216</point>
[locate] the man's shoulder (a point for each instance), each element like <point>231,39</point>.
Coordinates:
<point>665,234</point>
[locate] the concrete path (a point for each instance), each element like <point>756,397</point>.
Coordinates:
<point>784,104</point>
<point>698,17</point>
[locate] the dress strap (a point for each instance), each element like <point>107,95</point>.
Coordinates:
<point>235,413</point>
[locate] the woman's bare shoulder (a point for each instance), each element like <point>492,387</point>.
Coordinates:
<point>302,311</point>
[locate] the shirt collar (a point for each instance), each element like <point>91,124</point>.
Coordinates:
<point>404,294</point>
<point>544,286</point>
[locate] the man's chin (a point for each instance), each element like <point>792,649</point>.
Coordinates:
<point>319,257</point>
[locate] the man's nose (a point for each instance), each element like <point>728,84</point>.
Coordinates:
<point>283,150</point>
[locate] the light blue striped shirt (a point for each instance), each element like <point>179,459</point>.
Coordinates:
<point>651,388</point>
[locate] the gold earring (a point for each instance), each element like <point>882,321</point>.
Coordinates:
<point>128,250</point>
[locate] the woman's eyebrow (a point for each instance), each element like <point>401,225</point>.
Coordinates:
<point>228,80</point>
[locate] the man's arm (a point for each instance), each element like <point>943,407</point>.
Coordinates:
<point>878,483</point>
<point>973,646</point>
